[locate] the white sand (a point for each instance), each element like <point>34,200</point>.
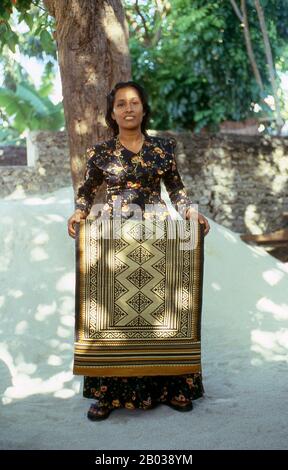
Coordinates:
<point>244,343</point>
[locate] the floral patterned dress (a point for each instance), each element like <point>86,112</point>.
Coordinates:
<point>134,179</point>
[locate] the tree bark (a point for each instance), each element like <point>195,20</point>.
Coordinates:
<point>92,43</point>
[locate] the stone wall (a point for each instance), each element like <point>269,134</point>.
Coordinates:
<point>238,181</point>
<point>48,166</point>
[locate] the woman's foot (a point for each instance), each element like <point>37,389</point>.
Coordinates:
<point>97,412</point>
<point>180,405</point>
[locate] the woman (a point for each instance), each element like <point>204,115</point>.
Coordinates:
<point>134,182</point>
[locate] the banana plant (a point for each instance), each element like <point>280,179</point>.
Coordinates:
<point>27,109</point>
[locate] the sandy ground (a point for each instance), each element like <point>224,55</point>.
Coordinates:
<point>244,344</point>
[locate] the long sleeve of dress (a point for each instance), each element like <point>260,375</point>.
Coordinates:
<point>93,179</point>
<point>174,184</point>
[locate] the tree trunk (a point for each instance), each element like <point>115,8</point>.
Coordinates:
<point>92,43</point>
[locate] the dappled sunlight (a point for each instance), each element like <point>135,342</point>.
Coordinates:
<point>67,320</point>
<point>7,358</point>
<point>253,220</point>
<point>24,386</point>
<point>6,252</point>
<point>38,254</point>
<point>15,293</point>
<point>65,201</point>
<point>279,183</point>
<point>21,328</point>
<point>41,238</point>
<point>80,127</point>
<point>54,343</point>
<point>66,305</point>
<point>59,197</point>
<point>50,218</point>
<point>273,276</point>
<point>39,201</point>
<point>223,194</point>
<point>279,312</point>
<point>61,346</point>
<point>65,393</point>
<point>23,367</point>
<point>37,317</point>
<point>282,266</point>
<point>43,311</point>
<point>18,193</point>
<point>63,332</point>
<point>271,346</point>
<point>24,383</point>
<point>66,283</point>
<point>215,286</point>
<point>243,301</point>
<point>54,360</point>
<point>264,169</point>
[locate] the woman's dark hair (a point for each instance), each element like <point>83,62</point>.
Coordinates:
<point>110,104</point>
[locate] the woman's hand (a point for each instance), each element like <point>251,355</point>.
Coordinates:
<point>75,219</point>
<point>191,214</point>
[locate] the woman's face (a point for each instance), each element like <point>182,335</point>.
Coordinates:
<point>128,108</point>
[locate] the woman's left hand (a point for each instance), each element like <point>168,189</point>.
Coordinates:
<point>191,214</point>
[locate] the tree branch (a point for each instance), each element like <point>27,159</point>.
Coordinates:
<point>242,15</point>
<point>236,9</point>
<point>142,18</point>
<point>249,47</point>
<point>270,62</point>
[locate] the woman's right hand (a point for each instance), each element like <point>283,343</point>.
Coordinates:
<point>75,219</point>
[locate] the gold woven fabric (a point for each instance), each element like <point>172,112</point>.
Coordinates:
<point>138,297</point>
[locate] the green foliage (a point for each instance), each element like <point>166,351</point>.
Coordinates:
<point>197,73</point>
<point>38,40</point>
<point>28,108</point>
<point>22,105</point>
<point>25,107</point>
<point>190,56</point>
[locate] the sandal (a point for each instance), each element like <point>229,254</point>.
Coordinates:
<point>176,406</point>
<point>150,407</point>
<point>97,412</point>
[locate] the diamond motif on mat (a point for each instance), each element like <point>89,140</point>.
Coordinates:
<point>159,313</point>
<point>119,290</point>
<point>160,244</point>
<point>159,289</point>
<point>139,302</point>
<point>140,277</point>
<point>148,233</point>
<point>119,314</point>
<point>120,244</point>
<point>120,266</point>
<point>138,321</point>
<point>137,232</point>
<point>160,266</point>
<point>140,255</point>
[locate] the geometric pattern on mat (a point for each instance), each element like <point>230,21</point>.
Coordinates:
<point>138,297</point>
